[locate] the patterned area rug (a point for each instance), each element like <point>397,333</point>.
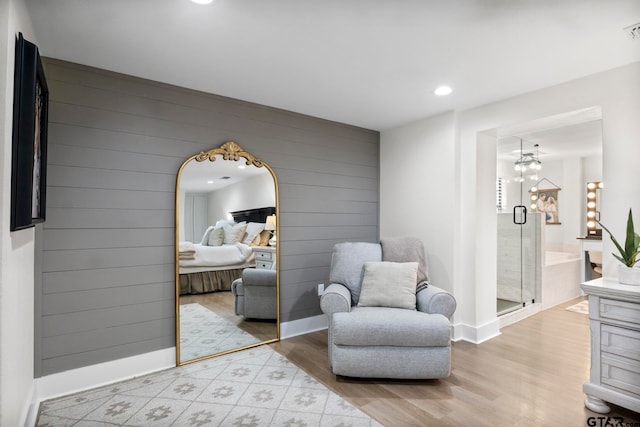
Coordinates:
<point>581,307</point>
<point>254,387</point>
<point>203,332</point>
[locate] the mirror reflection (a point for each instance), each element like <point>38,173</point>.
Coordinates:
<point>226,254</point>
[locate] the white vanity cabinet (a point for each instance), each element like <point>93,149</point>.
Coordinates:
<point>614,320</point>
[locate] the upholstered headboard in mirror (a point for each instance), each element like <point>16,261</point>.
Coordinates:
<point>253,215</point>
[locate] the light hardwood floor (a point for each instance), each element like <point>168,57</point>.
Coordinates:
<point>531,375</point>
<point>223,304</point>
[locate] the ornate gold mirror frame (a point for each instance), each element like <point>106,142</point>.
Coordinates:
<point>198,325</point>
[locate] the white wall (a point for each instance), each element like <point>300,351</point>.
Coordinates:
<point>417,190</point>
<point>466,165</point>
<point>573,204</point>
<point>17,248</point>
<point>258,192</point>
<point>592,167</point>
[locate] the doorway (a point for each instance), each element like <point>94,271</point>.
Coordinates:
<point>538,249</point>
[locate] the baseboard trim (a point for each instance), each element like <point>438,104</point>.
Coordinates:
<point>30,409</point>
<point>303,326</point>
<point>518,315</point>
<point>87,377</point>
<point>476,334</point>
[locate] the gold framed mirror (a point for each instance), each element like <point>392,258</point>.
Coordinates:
<point>226,254</point>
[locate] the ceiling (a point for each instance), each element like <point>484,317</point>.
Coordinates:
<point>368,63</point>
<point>210,176</point>
<point>576,140</point>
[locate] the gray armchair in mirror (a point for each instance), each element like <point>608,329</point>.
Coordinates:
<point>226,205</point>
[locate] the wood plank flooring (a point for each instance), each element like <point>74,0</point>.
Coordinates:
<point>531,375</point>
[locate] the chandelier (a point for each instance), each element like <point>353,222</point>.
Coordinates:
<point>529,161</point>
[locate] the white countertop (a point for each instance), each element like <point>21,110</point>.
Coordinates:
<point>611,288</point>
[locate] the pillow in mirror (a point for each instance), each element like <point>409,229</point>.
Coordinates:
<point>264,238</point>
<point>256,241</point>
<point>223,222</point>
<point>216,237</point>
<point>205,237</point>
<point>234,233</point>
<point>253,230</point>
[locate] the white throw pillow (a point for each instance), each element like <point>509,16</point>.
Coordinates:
<point>253,229</point>
<point>234,233</point>
<point>216,237</point>
<point>223,222</point>
<point>205,236</point>
<point>389,284</point>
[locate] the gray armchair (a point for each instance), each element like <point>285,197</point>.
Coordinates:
<point>256,294</point>
<point>383,342</point>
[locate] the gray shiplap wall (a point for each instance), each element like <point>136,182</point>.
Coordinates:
<point>115,145</point>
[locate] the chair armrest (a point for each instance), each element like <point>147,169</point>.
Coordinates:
<point>336,299</point>
<point>258,277</point>
<point>433,299</point>
<point>237,287</point>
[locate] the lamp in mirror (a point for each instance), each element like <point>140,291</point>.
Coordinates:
<point>271,226</point>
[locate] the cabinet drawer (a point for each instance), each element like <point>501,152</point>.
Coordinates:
<point>266,265</point>
<point>620,372</point>
<point>620,341</point>
<point>264,255</point>
<point>620,310</point>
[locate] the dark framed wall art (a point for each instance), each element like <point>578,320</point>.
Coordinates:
<point>29,147</point>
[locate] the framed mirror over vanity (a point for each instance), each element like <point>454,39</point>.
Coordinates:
<point>226,257</point>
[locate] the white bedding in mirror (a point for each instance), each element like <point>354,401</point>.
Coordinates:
<point>231,255</point>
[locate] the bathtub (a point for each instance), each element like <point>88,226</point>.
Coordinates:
<point>560,280</point>
<point>555,257</point>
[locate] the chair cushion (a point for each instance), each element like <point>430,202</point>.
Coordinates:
<point>347,264</point>
<point>389,284</point>
<point>382,326</point>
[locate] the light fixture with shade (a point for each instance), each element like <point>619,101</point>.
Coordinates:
<point>529,161</point>
<point>270,225</point>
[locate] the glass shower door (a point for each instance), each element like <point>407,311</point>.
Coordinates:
<point>518,233</point>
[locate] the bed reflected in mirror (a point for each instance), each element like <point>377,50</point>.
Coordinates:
<point>226,268</point>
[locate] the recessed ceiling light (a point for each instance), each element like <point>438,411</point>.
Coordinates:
<point>202,1</point>
<point>443,90</point>
<point>209,182</point>
<point>241,167</point>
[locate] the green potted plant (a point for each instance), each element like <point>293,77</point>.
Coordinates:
<point>628,256</point>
